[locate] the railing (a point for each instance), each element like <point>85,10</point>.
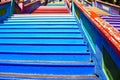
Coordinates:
<point>68,3</point>
<point>28,8</point>
<point>104,40</point>
<point>5,10</point>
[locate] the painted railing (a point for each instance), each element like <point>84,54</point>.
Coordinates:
<point>68,3</point>
<point>111,8</point>
<point>5,12</point>
<point>28,8</point>
<point>104,40</point>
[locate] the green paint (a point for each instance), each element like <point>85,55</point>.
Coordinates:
<point>2,11</point>
<point>89,38</point>
<point>111,69</point>
<point>77,13</point>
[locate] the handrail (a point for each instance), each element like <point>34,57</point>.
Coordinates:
<point>106,3</point>
<point>68,4</point>
<point>108,31</point>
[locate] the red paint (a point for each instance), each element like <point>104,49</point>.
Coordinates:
<point>50,9</point>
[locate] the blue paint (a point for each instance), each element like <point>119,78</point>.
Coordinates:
<point>7,14</point>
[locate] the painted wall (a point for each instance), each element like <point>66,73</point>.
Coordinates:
<point>5,11</point>
<point>105,54</point>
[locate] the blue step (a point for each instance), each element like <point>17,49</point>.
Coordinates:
<point>40,35</point>
<point>82,57</point>
<point>42,41</point>
<point>39,30</point>
<point>54,69</point>
<point>44,48</point>
<point>54,26</point>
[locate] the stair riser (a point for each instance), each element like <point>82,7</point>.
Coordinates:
<point>40,30</point>
<point>46,23</point>
<point>48,69</point>
<point>44,26</point>
<point>43,49</point>
<point>41,41</point>
<point>82,57</point>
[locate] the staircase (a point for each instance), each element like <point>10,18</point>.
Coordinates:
<point>114,20</point>
<point>51,10</point>
<point>44,47</point>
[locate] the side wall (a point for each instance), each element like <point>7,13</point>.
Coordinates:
<point>5,10</point>
<point>105,54</point>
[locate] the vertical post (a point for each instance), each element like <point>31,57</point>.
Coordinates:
<point>73,9</point>
<point>12,7</point>
<point>94,3</point>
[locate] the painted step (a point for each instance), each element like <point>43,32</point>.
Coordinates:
<point>39,30</point>
<point>40,20</point>
<point>54,69</point>
<point>118,23</point>
<point>43,18</point>
<point>41,23</point>
<point>116,26</point>
<point>37,26</point>
<point>41,35</point>
<point>9,76</point>
<point>42,41</point>
<point>46,57</point>
<point>42,15</point>
<point>25,21</point>
<point>44,48</point>
<point>111,18</point>
<point>50,12</point>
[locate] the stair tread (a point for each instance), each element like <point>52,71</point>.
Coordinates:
<point>81,57</point>
<point>40,20</point>
<point>42,49</point>
<point>15,26</point>
<point>41,35</point>
<point>42,41</point>
<point>41,23</point>
<point>39,30</point>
